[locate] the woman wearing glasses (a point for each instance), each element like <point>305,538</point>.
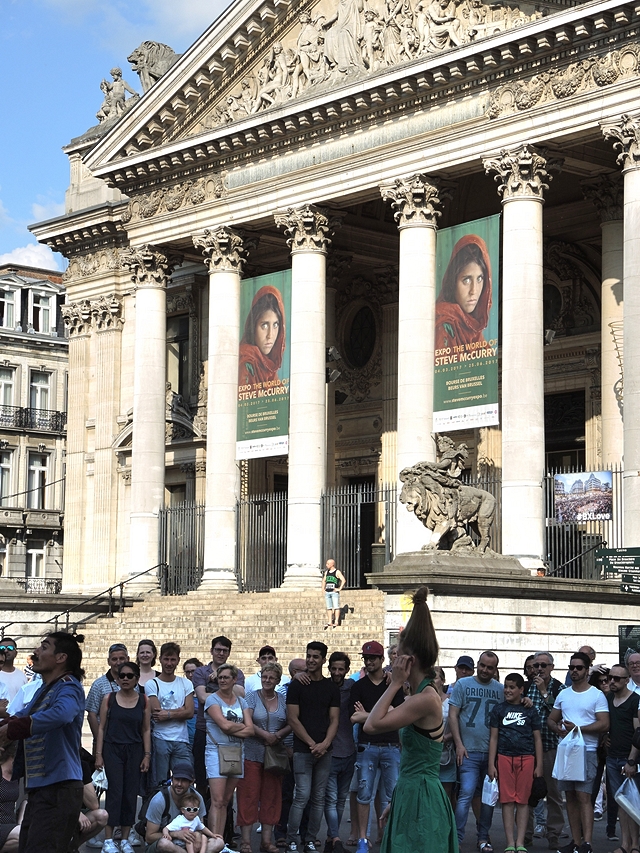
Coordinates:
<point>123,748</point>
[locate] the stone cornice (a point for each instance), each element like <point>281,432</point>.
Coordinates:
<point>85,231</point>
<point>415,84</point>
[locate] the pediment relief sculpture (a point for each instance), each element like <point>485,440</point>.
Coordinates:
<point>340,40</point>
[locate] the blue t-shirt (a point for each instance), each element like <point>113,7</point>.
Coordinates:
<point>516,725</point>
<point>476,701</point>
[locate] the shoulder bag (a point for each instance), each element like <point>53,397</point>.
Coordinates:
<point>276,759</point>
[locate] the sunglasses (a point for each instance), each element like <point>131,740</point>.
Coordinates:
<point>191,809</point>
<point>371,657</point>
<point>541,665</point>
<point>577,666</point>
<point>7,648</point>
<point>127,675</point>
<point>617,677</point>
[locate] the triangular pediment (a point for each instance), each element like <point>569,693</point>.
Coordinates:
<point>268,56</point>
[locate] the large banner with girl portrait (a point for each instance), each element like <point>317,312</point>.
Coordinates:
<point>465,390</point>
<point>263,366</point>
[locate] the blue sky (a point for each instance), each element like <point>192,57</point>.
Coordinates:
<point>55,53</point>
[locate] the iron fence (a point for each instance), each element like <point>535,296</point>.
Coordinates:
<point>571,545</point>
<point>490,481</point>
<point>40,586</point>
<point>38,419</point>
<point>359,529</point>
<point>261,537</point>
<point>181,548</point>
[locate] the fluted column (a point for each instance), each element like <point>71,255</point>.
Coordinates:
<point>150,270</point>
<point>626,136</point>
<point>521,176</point>
<point>307,230</point>
<point>415,200</point>
<point>606,192</point>
<point>223,249</point>
<point>77,318</point>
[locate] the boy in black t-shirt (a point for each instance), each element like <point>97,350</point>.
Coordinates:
<point>516,743</point>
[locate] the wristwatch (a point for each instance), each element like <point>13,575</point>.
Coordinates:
<point>632,763</point>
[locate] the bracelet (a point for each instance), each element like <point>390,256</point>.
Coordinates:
<point>147,753</point>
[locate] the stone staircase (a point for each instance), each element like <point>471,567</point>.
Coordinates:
<point>285,620</point>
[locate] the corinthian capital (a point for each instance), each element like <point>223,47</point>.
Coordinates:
<point>607,193</point>
<point>107,313</point>
<point>77,317</point>
<point>627,140</point>
<point>224,249</point>
<point>522,172</point>
<point>149,267</point>
<point>415,200</point>
<point>308,228</point>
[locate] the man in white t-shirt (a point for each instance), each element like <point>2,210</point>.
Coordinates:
<point>253,683</point>
<point>633,665</point>
<point>10,676</point>
<point>171,702</point>
<point>586,707</point>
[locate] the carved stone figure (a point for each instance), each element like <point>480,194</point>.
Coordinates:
<point>151,60</point>
<point>344,31</point>
<point>433,491</point>
<point>310,62</point>
<point>274,78</point>
<point>115,94</point>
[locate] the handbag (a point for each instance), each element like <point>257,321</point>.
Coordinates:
<point>571,758</point>
<point>230,759</point>
<point>276,759</point>
<point>448,754</point>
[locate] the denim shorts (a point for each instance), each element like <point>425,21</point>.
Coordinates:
<point>587,785</point>
<point>332,600</point>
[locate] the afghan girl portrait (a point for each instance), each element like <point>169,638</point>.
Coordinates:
<point>263,342</point>
<point>464,303</point>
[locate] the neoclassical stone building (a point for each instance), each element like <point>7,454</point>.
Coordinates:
<point>335,138</point>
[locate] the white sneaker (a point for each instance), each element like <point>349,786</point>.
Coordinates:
<point>125,846</point>
<point>110,846</point>
<point>96,841</point>
<point>540,831</point>
<point>134,838</point>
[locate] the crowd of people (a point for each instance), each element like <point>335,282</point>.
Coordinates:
<point>412,753</point>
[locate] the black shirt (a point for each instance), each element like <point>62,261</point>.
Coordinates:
<point>621,725</point>
<point>368,693</point>
<point>516,725</point>
<point>314,701</point>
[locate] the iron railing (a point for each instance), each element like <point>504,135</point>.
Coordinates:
<point>491,482</point>
<point>355,519</point>
<point>40,586</point>
<point>27,418</point>
<point>181,547</point>
<point>261,537</point>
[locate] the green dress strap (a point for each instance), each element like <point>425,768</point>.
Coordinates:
<point>424,683</point>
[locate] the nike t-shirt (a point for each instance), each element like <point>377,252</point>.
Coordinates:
<point>516,725</point>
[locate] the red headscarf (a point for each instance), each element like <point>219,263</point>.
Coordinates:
<point>254,366</point>
<point>462,328</point>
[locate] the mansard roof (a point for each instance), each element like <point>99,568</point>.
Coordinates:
<point>264,72</point>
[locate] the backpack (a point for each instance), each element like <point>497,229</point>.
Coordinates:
<point>141,826</point>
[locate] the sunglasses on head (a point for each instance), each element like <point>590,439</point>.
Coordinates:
<point>8,648</point>
<point>191,808</point>
<point>127,675</point>
<point>577,666</point>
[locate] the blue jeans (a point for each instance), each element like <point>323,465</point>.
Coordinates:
<point>311,776</point>
<point>167,753</point>
<point>337,791</point>
<point>472,773</point>
<point>368,761</point>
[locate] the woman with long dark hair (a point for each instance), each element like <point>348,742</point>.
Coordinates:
<point>420,816</point>
<point>464,302</point>
<point>263,341</point>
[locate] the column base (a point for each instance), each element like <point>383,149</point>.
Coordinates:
<point>219,580</point>
<point>302,576</point>
<point>140,586</point>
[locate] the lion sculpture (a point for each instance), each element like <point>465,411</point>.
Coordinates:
<point>151,60</point>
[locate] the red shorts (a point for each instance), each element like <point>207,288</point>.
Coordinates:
<point>515,777</point>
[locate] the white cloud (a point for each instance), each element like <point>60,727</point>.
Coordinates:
<point>5,219</point>
<point>44,209</point>
<point>34,255</point>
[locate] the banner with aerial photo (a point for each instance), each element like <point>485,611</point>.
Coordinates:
<point>465,391</point>
<point>583,497</point>
<point>263,366</point>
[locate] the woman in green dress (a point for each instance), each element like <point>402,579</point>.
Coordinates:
<point>420,815</point>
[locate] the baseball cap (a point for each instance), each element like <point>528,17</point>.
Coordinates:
<point>267,650</point>
<point>117,647</point>
<point>183,770</point>
<point>465,660</point>
<point>373,648</point>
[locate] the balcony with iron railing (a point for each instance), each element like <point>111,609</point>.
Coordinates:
<point>18,417</point>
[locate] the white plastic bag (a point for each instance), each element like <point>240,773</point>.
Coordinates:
<point>99,779</point>
<point>490,792</point>
<point>628,798</point>
<point>571,758</point>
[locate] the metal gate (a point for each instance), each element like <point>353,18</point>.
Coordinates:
<point>261,537</point>
<point>357,522</point>
<point>181,548</point>
<point>491,482</point>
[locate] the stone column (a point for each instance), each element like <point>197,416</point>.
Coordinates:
<point>387,281</point>
<point>415,201</point>
<point>223,249</point>
<point>150,270</point>
<point>606,192</point>
<point>522,175</point>
<point>77,319</point>
<point>626,136</point>
<point>307,230</point>
<point>336,265</point>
